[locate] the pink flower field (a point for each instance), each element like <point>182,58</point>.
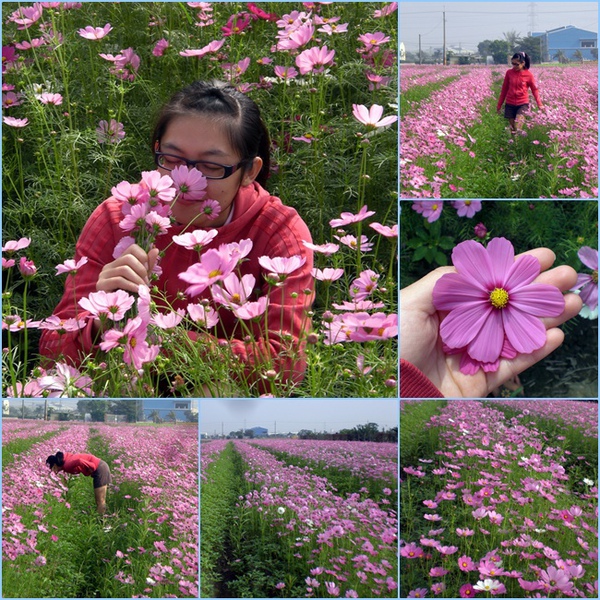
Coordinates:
<point>147,544</point>
<point>502,500</point>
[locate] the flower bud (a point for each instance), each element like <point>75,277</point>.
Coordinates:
<point>480,230</point>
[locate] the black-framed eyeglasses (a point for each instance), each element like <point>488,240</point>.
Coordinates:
<point>210,170</point>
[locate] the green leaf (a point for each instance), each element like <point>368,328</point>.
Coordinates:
<point>440,259</point>
<point>447,243</point>
<point>420,253</point>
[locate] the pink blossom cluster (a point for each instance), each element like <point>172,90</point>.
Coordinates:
<point>577,414</point>
<point>364,459</point>
<point>527,524</point>
<point>27,482</point>
<point>165,463</point>
<point>19,429</point>
<point>417,75</point>
<point>436,128</point>
<point>571,117</point>
<point>318,525</point>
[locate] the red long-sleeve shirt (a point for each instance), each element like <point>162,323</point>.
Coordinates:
<point>414,383</point>
<point>275,230</point>
<point>514,89</point>
<point>80,463</point>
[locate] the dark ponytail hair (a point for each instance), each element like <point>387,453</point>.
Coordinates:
<point>55,459</point>
<point>522,57</point>
<point>240,115</point>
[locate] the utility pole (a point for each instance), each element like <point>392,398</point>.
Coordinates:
<point>444,54</point>
<point>420,59</point>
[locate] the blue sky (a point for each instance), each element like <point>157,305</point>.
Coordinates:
<point>468,23</point>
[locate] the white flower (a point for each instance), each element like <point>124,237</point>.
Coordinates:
<point>150,581</point>
<point>487,585</point>
<point>281,510</point>
<point>588,482</point>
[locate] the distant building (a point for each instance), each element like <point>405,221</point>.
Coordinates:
<point>568,40</point>
<point>5,407</point>
<point>259,432</point>
<point>164,407</point>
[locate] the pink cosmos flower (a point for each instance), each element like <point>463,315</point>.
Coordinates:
<point>158,186</point>
<point>7,264</point>
<point>364,285</point>
<point>418,593</point>
<point>13,122</point>
<point>204,316</point>
<point>281,265</point>
<point>110,132</point>
<point>132,338</point>
<point>588,283</point>
<point>352,242</point>
<point>371,117</point>
<point>251,310</point>
<point>130,194</point>
<point>388,9</point>
<point>234,291</point>
<point>27,45</point>
<point>347,218</point>
<point>331,28</point>
<point>197,239</point>
<point>389,232</point>
<point>26,16</point>
<point>373,40</point>
<point>314,60</point>
<point>327,274</point>
<point>487,585</point>
<point>430,209</point>
<point>112,305</point>
<point>285,72</point>
<point>210,208</point>
<point>27,267</point>
<point>213,266</point>
<point>189,183</point>
<point>13,246</point>
<point>492,296</point>
<point>66,382</point>
<point>236,24</point>
<point>15,323</point>
<point>326,249</point>
<point>465,563</point>
<point>95,33</point>
<point>411,551</point>
<point>160,47</point>
<point>70,266</point>
<point>127,64</point>
<point>55,323</point>
<point>466,208</point>
<point>238,250</point>
<point>11,99</point>
<point>168,320</point>
<point>47,98</point>
<point>467,591</point>
<point>214,46</point>
<point>360,306</point>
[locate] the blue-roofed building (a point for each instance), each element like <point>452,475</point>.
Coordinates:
<point>568,40</point>
<point>259,431</point>
<point>163,407</point>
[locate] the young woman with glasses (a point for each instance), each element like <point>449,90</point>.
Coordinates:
<point>515,92</point>
<point>219,131</point>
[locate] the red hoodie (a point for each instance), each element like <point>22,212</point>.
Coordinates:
<point>80,463</point>
<point>275,230</point>
<point>514,88</point>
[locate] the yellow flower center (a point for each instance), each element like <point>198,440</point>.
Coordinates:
<point>499,298</point>
<point>214,273</point>
<point>468,202</point>
<point>595,276</point>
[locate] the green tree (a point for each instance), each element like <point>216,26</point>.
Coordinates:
<point>578,56</point>
<point>154,416</point>
<point>512,37</point>
<point>171,416</point>
<point>533,46</point>
<point>561,57</point>
<point>97,409</point>
<point>484,48</point>
<point>500,49</point>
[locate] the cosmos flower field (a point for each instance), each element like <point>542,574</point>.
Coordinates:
<point>298,518</point>
<point>466,152</point>
<point>499,498</point>
<point>55,545</point>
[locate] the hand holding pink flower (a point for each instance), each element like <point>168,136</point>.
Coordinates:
<point>420,322</point>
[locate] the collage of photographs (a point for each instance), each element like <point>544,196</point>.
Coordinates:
<point>300,299</point>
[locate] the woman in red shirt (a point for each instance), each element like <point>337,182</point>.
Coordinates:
<point>219,131</point>
<point>88,465</point>
<point>515,92</point>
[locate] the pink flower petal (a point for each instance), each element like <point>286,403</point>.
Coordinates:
<point>524,270</point>
<point>460,327</point>
<point>487,344</point>
<point>471,260</point>
<point>502,257</point>
<point>452,290</point>
<point>525,332</point>
<point>540,300</point>
<point>589,257</point>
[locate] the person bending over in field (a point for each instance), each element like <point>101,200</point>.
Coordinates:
<point>514,91</point>
<point>88,465</point>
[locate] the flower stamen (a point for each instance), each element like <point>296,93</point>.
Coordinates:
<point>499,298</point>
<point>595,277</point>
